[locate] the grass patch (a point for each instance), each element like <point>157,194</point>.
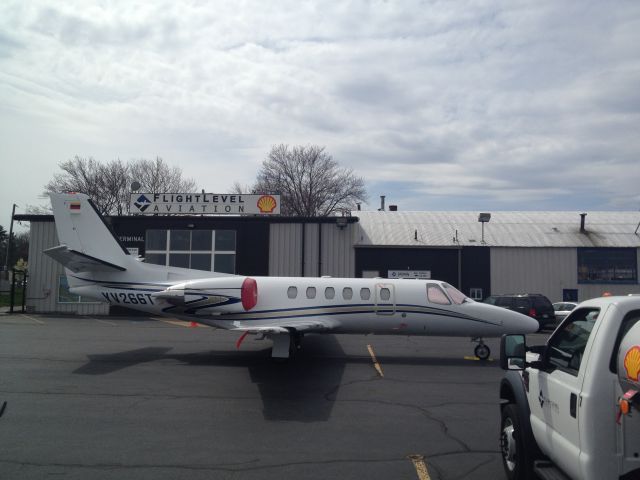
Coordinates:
<point>5,298</point>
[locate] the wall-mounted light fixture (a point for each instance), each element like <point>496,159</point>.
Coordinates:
<point>341,222</point>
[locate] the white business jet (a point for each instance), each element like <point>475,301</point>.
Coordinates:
<point>282,309</point>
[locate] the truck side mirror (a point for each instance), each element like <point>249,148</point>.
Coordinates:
<point>512,352</point>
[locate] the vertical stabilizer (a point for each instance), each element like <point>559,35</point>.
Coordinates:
<point>83,230</point>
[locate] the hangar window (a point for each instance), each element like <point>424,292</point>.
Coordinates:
<point>209,250</point>
<point>292,292</point>
<point>365,293</point>
<point>347,293</point>
<point>65,296</point>
<point>607,265</point>
<point>329,293</point>
<point>311,292</point>
<point>436,295</point>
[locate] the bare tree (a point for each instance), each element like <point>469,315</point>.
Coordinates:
<point>108,184</point>
<point>309,180</point>
<point>156,176</point>
<point>85,175</point>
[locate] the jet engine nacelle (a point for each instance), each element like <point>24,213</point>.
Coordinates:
<point>224,294</point>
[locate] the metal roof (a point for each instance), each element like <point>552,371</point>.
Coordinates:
<point>505,229</point>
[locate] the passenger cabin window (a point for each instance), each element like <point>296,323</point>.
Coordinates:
<point>347,293</point>
<point>435,294</point>
<point>311,292</point>
<point>292,292</point>
<point>566,347</point>
<point>365,293</point>
<point>456,295</point>
<point>385,294</point>
<point>329,293</point>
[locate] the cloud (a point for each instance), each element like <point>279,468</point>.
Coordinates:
<point>516,104</point>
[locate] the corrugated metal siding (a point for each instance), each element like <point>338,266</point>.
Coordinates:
<point>285,249</point>
<point>338,254</point>
<point>533,270</point>
<point>547,271</point>
<point>42,290</point>
<point>311,243</point>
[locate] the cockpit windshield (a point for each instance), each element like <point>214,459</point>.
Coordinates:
<point>456,295</point>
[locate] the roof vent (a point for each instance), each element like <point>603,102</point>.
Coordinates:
<point>393,208</point>
<point>582,218</point>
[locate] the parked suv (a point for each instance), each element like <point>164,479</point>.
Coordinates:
<point>532,304</point>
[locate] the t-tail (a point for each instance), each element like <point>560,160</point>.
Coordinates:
<point>86,242</point>
<point>92,254</point>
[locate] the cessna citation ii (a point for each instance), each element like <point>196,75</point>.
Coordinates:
<point>282,309</point>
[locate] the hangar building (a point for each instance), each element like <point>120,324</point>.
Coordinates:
<point>563,255</point>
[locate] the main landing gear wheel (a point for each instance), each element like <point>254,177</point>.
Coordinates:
<point>482,351</point>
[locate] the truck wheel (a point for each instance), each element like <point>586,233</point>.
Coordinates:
<point>516,459</point>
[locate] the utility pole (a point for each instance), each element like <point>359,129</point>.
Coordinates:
<point>6,262</point>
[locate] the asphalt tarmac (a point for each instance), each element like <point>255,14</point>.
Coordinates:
<point>140,398</point>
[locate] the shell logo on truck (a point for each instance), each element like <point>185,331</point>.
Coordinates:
<point>632,363</point>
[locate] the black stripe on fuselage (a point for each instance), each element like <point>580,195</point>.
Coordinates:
<point>332,310</point>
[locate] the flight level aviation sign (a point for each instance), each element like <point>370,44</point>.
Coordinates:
<point>203,203</point>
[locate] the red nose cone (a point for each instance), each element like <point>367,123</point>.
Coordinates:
<point>249,293</point>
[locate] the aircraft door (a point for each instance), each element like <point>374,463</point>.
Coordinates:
<point>385,300</point>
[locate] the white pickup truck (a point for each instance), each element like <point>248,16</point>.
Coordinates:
<point>569,408</point>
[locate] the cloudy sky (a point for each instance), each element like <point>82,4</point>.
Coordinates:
<point>439,105</point>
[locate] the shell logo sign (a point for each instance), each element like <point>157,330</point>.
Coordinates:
<point>267,204</point>
<point>632,363</point>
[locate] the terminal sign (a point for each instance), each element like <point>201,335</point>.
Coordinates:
<point>410,274</point>
<point>203,203</point>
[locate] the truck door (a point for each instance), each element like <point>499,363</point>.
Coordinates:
<point>385,299</point>
<point>555,390</point>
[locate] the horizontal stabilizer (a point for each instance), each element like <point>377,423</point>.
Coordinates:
<point>81,262</point>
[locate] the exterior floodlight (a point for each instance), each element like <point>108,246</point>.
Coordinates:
<point>484,217</point>
<point>341,222</point>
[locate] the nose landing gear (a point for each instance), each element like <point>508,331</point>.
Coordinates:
<point>481,351</point>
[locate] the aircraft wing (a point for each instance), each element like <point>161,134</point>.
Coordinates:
<point>80,262</point>
<point>315,325</point>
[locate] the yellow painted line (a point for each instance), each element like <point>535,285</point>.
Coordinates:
<point>375,361</point>
<point>420,466</point>
<point>476,359</point>
<point>178,323</point>
<point>33,318</point>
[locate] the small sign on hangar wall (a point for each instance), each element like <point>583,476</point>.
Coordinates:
<point>410,274</point>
